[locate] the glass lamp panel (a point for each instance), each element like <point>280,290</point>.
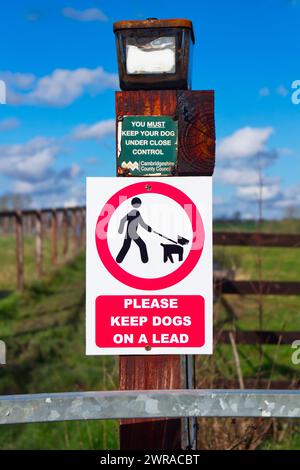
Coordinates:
<point>146,56</point>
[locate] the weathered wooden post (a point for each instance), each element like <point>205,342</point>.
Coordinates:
<point>149,231</point>
<point>154,71</point>
<point>19,250</point>
<point>81,229</point>
<point>75,230</point>
<point>38,243</point>
<point>65,222</point>
<point>83,226</point>
<point>6,225</point>
<point>54,237</point>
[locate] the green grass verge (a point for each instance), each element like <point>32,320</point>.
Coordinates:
<point>44,332</point>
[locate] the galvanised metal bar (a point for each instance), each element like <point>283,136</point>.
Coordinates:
<point>149,404</point>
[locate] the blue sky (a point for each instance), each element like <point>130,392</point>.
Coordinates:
<point>59,64</point>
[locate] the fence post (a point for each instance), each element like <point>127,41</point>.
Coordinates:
<point>19,250</point>
<point>6,225</point>
<point>65,223</point>
<point>38,243</point>
<point>81,236</point>
<point>74,227</point>
<point>54,237</point>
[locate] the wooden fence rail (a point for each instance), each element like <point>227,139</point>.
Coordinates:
<point>259,337</point>
<point>66,220</point>
<point>58,223</point>
<point>257,239</point>
<point>69,225</point>
<point>259,288</point>
<point>227,286</point>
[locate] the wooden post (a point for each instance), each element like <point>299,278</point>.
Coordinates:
<point>65,222</point>
<point>82,224</point>
<point>19,250</point>
<point>32,224</point>
<point>194,111</point>
<point>79,218</point>
<point>6,225</point>
<point>150,373</point>
<point>54,237</point>
<point>74,228</point>
<point>38,244</point>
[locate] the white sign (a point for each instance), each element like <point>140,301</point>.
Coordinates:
<point>149,266</point>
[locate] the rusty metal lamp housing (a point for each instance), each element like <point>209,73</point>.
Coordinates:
<point>154,54</point>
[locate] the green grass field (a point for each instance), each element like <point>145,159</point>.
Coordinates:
<point>44,331</point>
<point>8,259</point>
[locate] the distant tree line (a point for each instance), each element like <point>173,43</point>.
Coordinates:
<point>10,202</point>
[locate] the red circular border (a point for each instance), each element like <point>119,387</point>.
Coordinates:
<point>160,282</point>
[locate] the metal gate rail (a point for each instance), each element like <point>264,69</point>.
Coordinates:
<point>52,407</point>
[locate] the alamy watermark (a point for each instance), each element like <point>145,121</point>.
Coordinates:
<point>2,92</point>
<point>296,93</point>
<point>2,353</point>
<point>296,354</point>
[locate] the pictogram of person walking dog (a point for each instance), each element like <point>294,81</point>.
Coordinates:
<point>134,220</point>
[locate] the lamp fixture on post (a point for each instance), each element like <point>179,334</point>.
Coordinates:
<point>154,54</point>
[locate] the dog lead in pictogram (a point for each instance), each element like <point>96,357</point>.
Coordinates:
<point>134,220</point>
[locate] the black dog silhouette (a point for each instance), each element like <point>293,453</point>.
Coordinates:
<point>170,250</point>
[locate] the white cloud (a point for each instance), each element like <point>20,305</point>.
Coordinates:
<point>246,156</point>
<point>30,161</point>
<point>33,16</point>
<point>237,176</point>
<point>243,176</point>
<point>218,200</point>
<point>265,91</point>
<point>91,160</point>
<point>290,197</point>
<point>75,170</point>
<point>281,90</point>
<point>90,14</point>
<point>244,143</point>
<point>9,123</point>
<point>70,193</point>
<point>23,187</point>
<point>72,202</point>
<point>30,167</point>
<point>97,130</point>
<point>60,88</point>
<point>21,81</point>
<point>255,192</point>
<point>284,151</point>
<point>55,183</point>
